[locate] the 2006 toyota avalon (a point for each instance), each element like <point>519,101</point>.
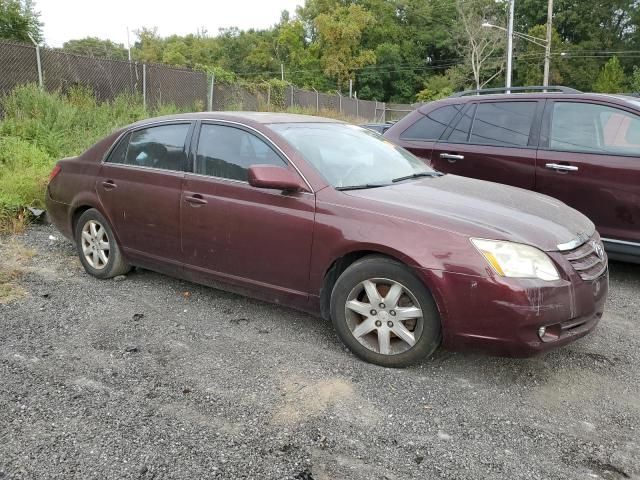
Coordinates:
<point>332,219</point>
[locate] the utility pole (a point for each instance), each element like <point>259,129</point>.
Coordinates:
<point>350,88</point>
<point>510,45</point>
<point>547,51</point>
<point>282,72</point>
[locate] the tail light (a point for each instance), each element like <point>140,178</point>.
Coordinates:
<point>56,170</point>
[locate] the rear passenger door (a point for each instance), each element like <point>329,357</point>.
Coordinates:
<point>139,186</point>
<point>589,158</point>
<point>492,140</point>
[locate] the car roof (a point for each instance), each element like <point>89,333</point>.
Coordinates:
<point>242,117</point>
<point>618,99</point>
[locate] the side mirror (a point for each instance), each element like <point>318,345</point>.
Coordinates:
<point>278,178</point>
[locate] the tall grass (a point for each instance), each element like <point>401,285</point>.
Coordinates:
<point>40,127</point>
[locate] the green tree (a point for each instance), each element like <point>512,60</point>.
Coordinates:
<point>611,78</point>
<point>176,52</point>
<point>586,27</point>
<point>149,46</point>
<point>437,87</point>
<point>95,47</point>
<point>340,33</point>
<point>19,20</point>
<point>529,58</point>
<point>635,80</point>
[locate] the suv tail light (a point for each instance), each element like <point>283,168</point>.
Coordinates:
<point>56,170</point>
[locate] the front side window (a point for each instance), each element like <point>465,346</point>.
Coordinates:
<point>432,125</point>
<point>506,124</point>
<point>228,152</point>
<point>161,147</point>
<point>586,127</point>
<point>347,155</point>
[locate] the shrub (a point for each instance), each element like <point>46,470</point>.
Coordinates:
<point>41,127</point>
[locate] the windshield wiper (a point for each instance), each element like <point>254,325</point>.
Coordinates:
<point>362,187</point>
<point>418,175</point>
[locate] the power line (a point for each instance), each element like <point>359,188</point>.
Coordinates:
<point>443,64</point>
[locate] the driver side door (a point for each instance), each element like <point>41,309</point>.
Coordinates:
<point>253,238</point>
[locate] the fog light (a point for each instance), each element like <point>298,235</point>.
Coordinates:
<point>541,332</point>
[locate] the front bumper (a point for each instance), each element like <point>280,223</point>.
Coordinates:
<point>502,316</point>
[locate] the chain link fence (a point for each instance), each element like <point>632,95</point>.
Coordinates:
<point>55,70</point>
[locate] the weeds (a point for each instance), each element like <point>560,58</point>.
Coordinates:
<point>41,127</point>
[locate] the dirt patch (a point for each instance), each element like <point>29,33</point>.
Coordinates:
<point>15,260</point>
<point>302,398</point>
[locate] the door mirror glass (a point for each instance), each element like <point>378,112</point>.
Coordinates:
<point>277,178</point>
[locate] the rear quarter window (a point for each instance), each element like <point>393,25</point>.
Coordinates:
<point>119,153</point>
<point>432,125</point>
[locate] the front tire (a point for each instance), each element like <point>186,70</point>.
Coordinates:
<point>384,313</point>
<point>97,247</point>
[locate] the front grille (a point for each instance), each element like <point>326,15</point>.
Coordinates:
<point>585,259</point>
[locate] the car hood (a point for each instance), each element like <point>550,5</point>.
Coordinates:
<point>483,209</point>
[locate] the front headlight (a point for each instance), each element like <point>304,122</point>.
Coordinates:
<point>516,260</point>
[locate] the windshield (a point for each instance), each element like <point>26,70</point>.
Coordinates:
<point>351,156</point>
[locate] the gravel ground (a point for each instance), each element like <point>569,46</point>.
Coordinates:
<point>151,377</point>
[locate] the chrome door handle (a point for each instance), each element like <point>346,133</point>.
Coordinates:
<point>451,157</point>
<point>195,200</point>
<point>561,168</point>
<point>109,185</point>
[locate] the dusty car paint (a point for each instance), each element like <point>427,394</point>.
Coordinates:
<point>287,247</point>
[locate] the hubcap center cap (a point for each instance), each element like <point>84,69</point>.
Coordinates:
<point>384,316</point>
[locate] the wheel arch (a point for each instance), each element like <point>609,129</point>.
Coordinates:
<point>344,261</point>
<point>76,213</point>
<point>81,206</point>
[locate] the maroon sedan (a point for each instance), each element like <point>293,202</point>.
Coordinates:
<point>332,219</point>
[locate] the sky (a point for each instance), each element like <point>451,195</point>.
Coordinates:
<point>72,19</point>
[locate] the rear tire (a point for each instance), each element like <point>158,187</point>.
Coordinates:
<point>97,247</point>
<point>384,313</point>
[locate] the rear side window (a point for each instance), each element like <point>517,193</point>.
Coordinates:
<point>432,125</point>
<point>228,152</point>
<point>160,147</point>
<point>505,124</point>
<point>586,127</point>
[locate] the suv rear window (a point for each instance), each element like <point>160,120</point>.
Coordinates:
<point>432,125</point>
<point>505,124</point>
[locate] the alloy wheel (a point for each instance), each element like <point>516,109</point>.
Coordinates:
<point>95,244</point>
<point>384,316</point>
